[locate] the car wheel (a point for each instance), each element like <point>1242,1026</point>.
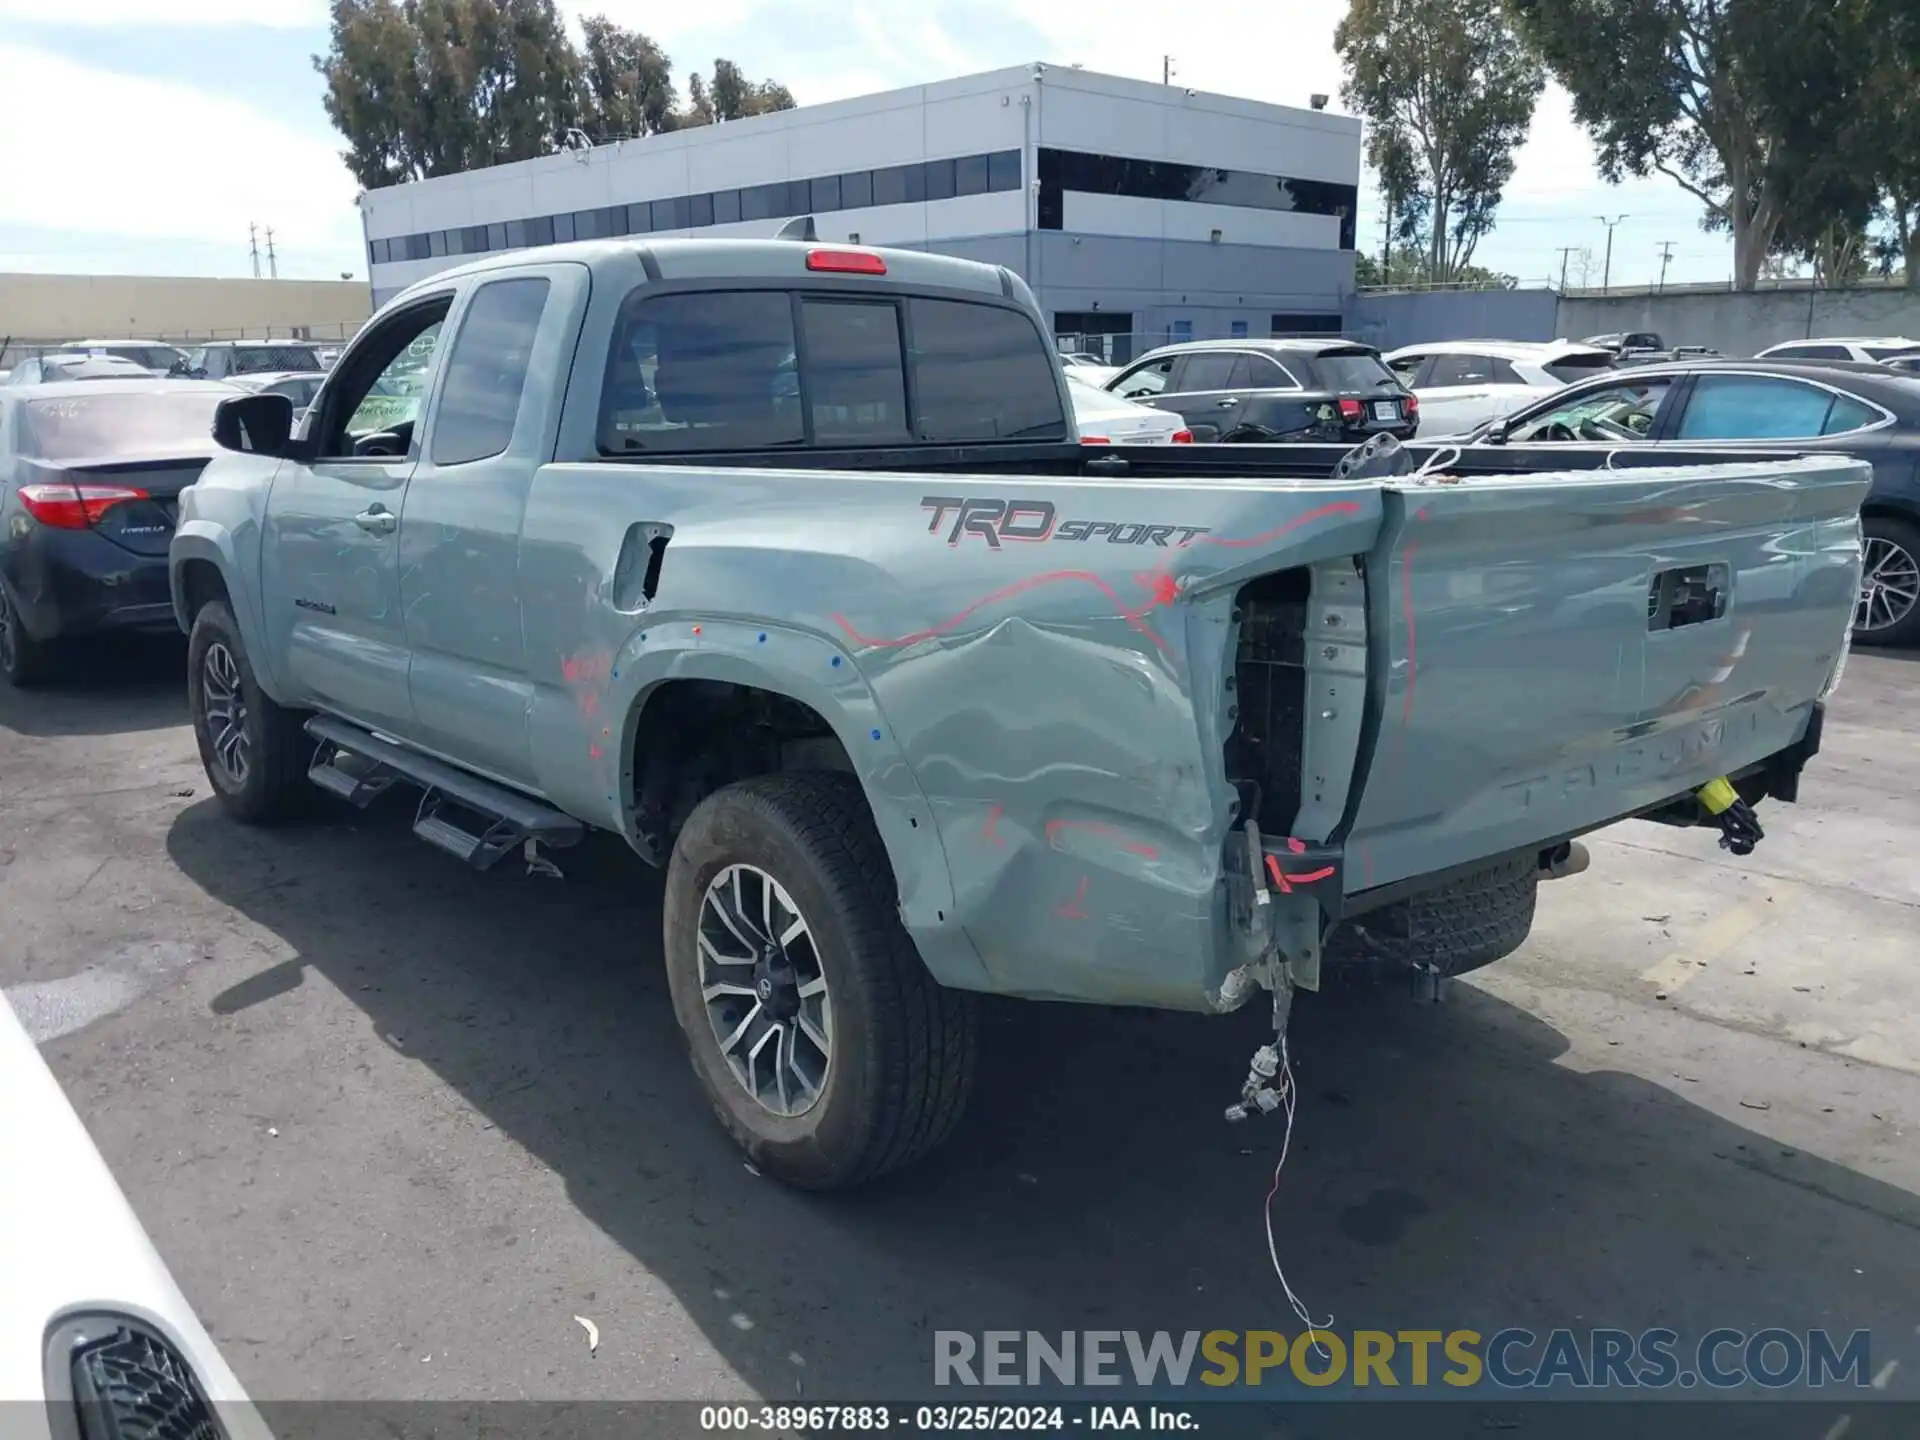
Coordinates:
<point>254,751</point>
<point>824,1047</point>
<point>23,660</point>
<point>1888,612</point>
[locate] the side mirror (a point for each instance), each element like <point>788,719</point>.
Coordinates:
<point>1497,433</point>
<point>254,424</point>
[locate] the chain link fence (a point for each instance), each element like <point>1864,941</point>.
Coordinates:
<point>15,348</point>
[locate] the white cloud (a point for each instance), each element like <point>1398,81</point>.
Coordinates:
<point>165,14</point>
<point>212,166</point>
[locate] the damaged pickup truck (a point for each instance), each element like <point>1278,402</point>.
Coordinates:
<point>781,561</point>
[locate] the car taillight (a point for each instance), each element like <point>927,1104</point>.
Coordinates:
<point>1352,410</point>
<point>1095,440</point>
<point>847,262</point>
<point>75,507</point>
<point>1412,402</point>
<point>1183,437</point>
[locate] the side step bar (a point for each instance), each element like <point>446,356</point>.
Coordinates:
<point>473,820</point>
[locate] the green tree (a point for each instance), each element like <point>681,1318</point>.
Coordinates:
<point>628,82</point>
<point>1743,105</point>
<point>1448,93</point>
<point>372,91</point>
<point>731,96</point>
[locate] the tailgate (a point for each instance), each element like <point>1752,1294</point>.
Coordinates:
<point>1551,653</point>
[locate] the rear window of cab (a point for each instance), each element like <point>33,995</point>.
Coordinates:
<point>707,371</point>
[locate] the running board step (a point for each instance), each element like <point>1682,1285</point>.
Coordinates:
<point>474,820</point>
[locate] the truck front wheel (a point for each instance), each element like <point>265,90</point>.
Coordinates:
<point>254,751</point>
<point>825,1048</point>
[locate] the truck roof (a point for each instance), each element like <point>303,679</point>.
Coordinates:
<point>746,259</point>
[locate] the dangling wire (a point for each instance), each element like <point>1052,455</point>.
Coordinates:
<point>1273,1249</point>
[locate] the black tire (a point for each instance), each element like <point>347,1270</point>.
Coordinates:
<point>24,661</point>
<point>1461,926</point>
<point>273,785</point>
<point>903,1048</point>
<point>1895,544</point>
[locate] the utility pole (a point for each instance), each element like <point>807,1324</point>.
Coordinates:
<point>273,265</point>
<point>253,246</point>
<point>1666,259</point>
<point>1606,274</point>
<point>1386,244</point>
<point>1565,251</point>
<point>1166,69</point>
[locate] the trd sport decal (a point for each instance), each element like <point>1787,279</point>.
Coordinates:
<point>995,521</point>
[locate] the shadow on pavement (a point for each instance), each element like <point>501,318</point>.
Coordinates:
<point>104,687</point>
<point>1445,1170</point>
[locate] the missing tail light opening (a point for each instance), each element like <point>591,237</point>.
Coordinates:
<point>1263,750</point>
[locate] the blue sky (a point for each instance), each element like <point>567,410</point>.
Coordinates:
<point>182,121</point>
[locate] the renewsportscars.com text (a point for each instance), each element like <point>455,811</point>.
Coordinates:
<point>1514,1359</point>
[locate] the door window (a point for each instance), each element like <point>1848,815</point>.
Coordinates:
<point>1208,372</point>
<point>1848,415</point>
<point>1149,379</point>
<point>1452,369</point>
<point>1754,407</point>
<point>487,370</point>
<point>1812,352</point>
<point>1266,373</point>
<point>1407,368</point>
<point>1623,412</point>
<point>378,386</point>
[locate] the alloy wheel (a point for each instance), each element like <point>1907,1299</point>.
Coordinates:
<point>1889,586</point>
<point>225,702</point>
<point>764,990</point>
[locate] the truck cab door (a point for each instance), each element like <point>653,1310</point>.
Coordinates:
<point>330,556</point>
<point>489,429</point>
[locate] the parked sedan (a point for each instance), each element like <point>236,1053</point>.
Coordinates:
<point>224,359</point>
<point>1463,384</point>
<point>90,473</point>
<point>1104,419</point>
<point>154,355</point>
<point>1241,391</point>
<point>64,366</point>
<point>1856,408</point>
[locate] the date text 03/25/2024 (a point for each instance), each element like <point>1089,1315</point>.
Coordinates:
<point>944,1419</point>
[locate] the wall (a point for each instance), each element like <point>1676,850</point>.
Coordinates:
<point>51,308</point>
<point>1745,324</point>
<point>1390,321</point>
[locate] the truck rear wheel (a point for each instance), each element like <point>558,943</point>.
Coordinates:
<point>255,752</point>
<point>1457,927</point>
<point>825,1048</point>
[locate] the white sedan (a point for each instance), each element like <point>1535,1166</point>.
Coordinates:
<point>1462,384</point>
<point>89,1315</point>
<point>1106,419</point>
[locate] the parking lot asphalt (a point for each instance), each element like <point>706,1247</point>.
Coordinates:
<point>394,1125</point>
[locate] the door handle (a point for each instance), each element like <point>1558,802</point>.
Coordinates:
<point>1226,404</point>
<point>378,520</point>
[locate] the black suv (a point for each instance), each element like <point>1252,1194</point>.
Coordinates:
<point>1247,391</point>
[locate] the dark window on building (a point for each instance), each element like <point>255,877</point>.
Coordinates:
<point>982,373</point>
<point>613,221</point>
<point>726,207</point>
<point>487,371</point>
<point>706,371</point>
<point>700,211</point>
<point>640,218</point>
<point>540,230</point>
<point>497,236</point>
<point>855,379</point>
<point>670,214</point>
<point>971,175</point>
<point>1003,170</point>
<point>563,230</point>
<point>516,234</point>
<point>899,185</point>
<point>1305,325</point>
<point>826,194</point>
<point>762,202</point>
<point>799,196</point>
<point>476,240</point>
<point>856,189</point>
<point>376,252</point>
<point>589,224</point>
<point>436,243</point>
<point>418,248</point>
<point>1063,170</point>
<point>940,181</point>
